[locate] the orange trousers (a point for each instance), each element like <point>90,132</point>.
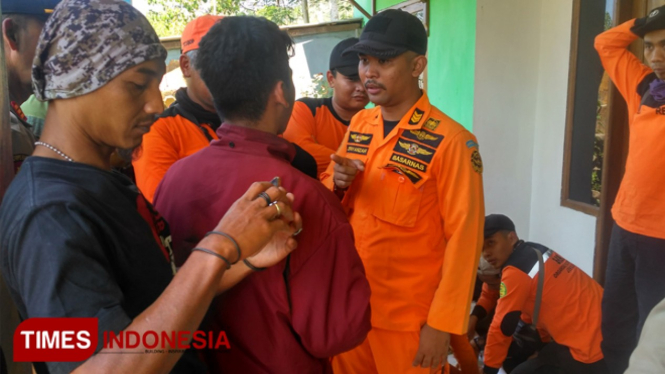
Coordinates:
<point>465,355</point>
<point>383,352</point>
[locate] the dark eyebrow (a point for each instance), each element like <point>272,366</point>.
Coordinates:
<point>149,72</point>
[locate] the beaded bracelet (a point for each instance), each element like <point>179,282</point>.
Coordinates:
<point>231,239</point>
<point>252,267</point>
<point>228,263</point>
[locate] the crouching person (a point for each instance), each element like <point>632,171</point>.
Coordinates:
<point>569,309</point>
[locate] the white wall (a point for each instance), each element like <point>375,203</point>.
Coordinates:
<point>506,82</point>
<point>522,61</point>
<point>567,231</point>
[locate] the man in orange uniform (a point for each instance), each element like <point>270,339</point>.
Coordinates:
<point>189,124</point>
<point>569,310</point>
<point>186,126</point>
<point>635,280</point>
<point>319,125</point>
<point>411,182</point>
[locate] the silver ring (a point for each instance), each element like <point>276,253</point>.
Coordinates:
<point>279,210</point>
<point>266,198</point>
<point>297,232</point>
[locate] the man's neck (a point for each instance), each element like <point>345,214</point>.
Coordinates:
<point>18,93</point>
<point>398,111</point>
<point>343,113</point>
<point>260,125</point>
<point>60,132</point>
<point>199,102</point>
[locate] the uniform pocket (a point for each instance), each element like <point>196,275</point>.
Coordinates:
<point>399,196</point>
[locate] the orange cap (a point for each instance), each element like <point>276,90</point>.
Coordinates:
<point>195,31</point>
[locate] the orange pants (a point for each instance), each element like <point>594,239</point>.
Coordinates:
<point>383,352</point>
<point>464,353</point>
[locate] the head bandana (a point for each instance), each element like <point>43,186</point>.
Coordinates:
<point>86,43</point>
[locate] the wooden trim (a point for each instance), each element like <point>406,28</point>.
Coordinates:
<point>589,209</point>
<point>616,150</point>
<point>360,8</point>
<point>570,109</point>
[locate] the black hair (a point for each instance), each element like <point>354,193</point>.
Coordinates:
<point>240,60</point>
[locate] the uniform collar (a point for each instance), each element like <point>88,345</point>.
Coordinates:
<point>415,117</point>
<point>248,140</point>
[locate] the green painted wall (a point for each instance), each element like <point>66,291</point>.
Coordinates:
<point>451,55</point>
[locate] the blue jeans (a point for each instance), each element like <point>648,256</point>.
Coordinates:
<point>634,284</point>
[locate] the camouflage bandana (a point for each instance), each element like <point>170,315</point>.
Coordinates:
<point>87,43</point>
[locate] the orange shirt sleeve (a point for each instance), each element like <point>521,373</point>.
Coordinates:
<point>517,285</point>
<point>459,182</point>
<point>159,152</point>
<point>302,131</point>
<point>488,298</point>
<point>326,175</point>
<point>623,67</point>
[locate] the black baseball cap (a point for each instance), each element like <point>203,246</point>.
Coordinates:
<point>345,64</point>
<point>391,33</point>
<point>30,7</point>
<point>652,22</point>
<point>497,222</point>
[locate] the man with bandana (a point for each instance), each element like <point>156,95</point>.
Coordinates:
<point>22,22</point>
<point>635,280</point>
<point>79,240</point>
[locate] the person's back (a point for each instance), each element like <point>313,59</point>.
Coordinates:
<point>305,309</point>
<point>569,310</point>
<point>315,304</point>
<point>570,307</point>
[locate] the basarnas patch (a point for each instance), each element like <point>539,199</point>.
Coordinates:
<point>356,149</point>
<point>502,290</point>
<point>431,124</point>
<point>408,162</point>
<point>421,152</point>
<point>476,161</point>
<point>360,138</point>
<point>412,175</point>
<point>424,137</point>
<point>416,117</point>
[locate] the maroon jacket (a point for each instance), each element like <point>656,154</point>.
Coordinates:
<point>293,316</point>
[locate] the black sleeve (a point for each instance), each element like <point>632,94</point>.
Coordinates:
<point>59,267</point>
<point>304,162</point>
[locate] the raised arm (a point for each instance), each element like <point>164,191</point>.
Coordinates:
<point>623,67</point>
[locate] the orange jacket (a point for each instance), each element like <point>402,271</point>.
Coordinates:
<point>640,203</point>
<point>570,310</point>
<point>316,128</point>
<point>172,137</point>
<point>417,212</point>
<point>486,302</point>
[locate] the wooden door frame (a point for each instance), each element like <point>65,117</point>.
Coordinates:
<point>616,148</point>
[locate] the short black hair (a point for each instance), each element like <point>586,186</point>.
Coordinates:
<point>240,60</point>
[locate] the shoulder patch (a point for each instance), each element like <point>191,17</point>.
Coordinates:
<point>416,116</point>
<point>424,136</point>
<point>421,152</point>
<point>471,144</point>
<point>502,290</point>
<point>431,124</point>
<point>360,138</point>
<point>477,162</point>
